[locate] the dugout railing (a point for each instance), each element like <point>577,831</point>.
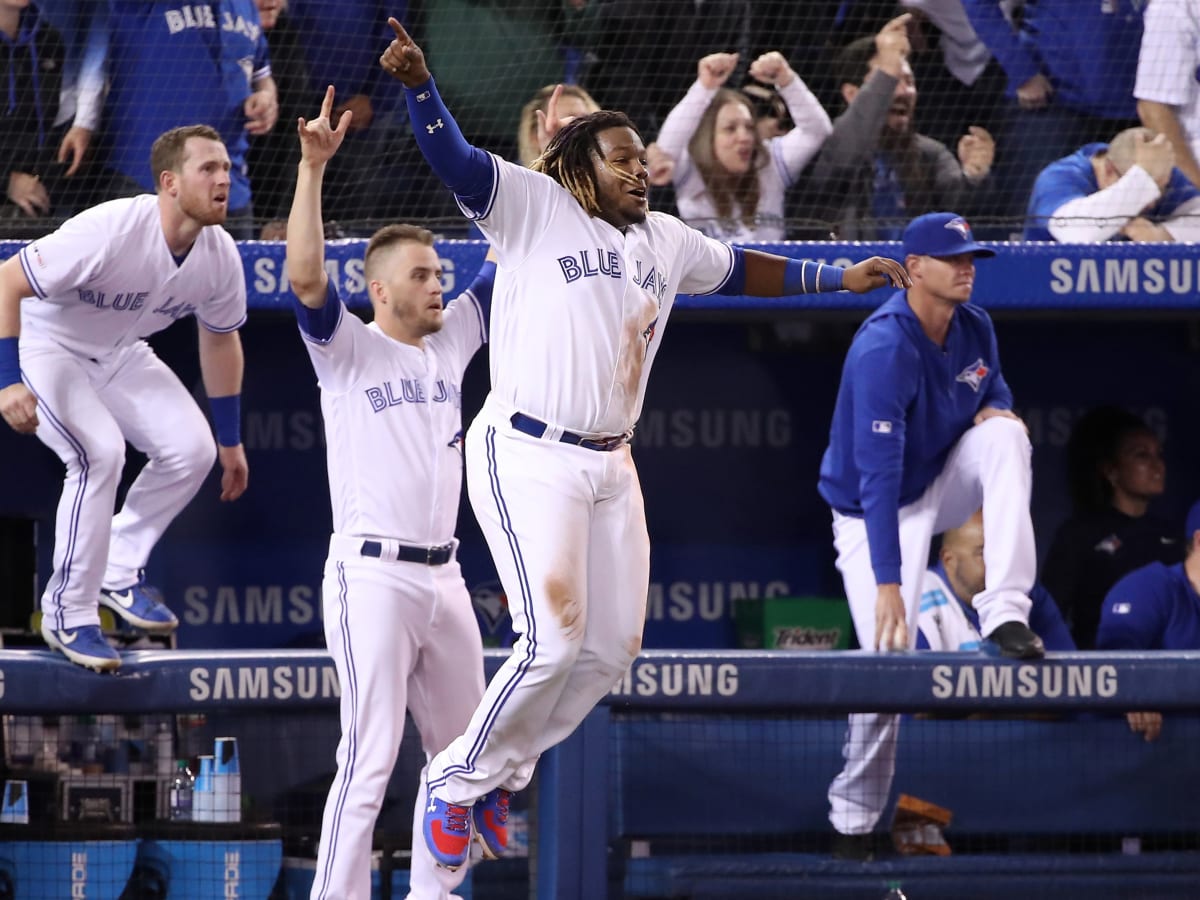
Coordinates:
<point>702,775</point>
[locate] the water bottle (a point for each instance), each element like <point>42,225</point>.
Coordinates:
<point>163,756</point>
<point>180,796</point>
<point>894,892</point>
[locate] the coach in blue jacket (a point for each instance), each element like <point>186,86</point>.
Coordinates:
<point>923,434</point>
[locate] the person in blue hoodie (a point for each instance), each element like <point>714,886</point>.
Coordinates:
<point>923,434</point>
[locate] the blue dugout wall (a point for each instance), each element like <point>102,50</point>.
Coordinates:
<point>735,421</point>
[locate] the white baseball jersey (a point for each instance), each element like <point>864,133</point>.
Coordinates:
<point>941,617</point>
<point>574,337</point>
<point>106,278</point>
<point>1169,62</point>
<point>390,407</point>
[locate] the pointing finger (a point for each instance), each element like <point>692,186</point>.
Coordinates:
<point>327,102</point>
<point>401,34</point>
<point>897,24</point>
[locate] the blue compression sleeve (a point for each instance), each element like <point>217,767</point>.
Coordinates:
<point>227,417</point>
<point>464,169</point>
<point>803,276</point>
<point>10,362</point>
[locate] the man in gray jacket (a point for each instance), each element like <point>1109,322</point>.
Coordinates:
<point>875,172</point>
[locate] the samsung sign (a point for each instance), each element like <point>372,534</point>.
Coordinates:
<point>1043,681</point>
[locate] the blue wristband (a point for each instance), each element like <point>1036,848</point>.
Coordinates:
<point>227,417</point>
<point>803,276</point>
<point>10,362</point>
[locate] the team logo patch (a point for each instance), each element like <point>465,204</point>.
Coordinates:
<point>960,225</point>
<point>1109,545</point>
<point>881,426</point>
<point>1122,609</point>
<point>37,254</point>
<point>973,375</point>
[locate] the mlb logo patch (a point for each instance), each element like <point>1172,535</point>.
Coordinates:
<point>881,426</point>
<point>973,374</point>
<point>1122,609</point>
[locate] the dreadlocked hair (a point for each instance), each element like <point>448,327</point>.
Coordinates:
<point>568,158</point>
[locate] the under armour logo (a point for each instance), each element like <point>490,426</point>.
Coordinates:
<point>432,807</point>
<point>437,124</point>
<point>423,96</point>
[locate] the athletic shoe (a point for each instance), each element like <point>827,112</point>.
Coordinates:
<point>447,830</point>
<point>854,847</point>
<point>490,815</point>
<point>1016,641</point>
<point>84,646</point>
<point>141,606</point>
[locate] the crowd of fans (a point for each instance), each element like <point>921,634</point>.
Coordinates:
<point>1049,121</point>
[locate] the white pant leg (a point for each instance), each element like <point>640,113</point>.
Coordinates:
<point>375,613</point>
<point>159,417</point>
<point>74,423</point>
<point>618,583</point>
<point>859,793</point>
<point>534,502</point>
<point>991,465</point>
<point>443,691</point>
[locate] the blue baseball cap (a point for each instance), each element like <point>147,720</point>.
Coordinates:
<point>1193,522</point>
<point>941,234</point>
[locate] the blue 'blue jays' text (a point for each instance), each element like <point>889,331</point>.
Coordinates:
<point>124,300</point>
<point>411,390</point>
<point>652,282</point>
<point>605,262</point>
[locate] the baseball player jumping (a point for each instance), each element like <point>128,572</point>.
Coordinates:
<point>398,617</point>
<point>585,282</point>
<point>81,300</point>
<point>923,434</point>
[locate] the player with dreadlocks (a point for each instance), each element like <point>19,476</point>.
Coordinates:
<point>586,279</point>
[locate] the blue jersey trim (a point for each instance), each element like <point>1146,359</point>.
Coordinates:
<point>319,325</point>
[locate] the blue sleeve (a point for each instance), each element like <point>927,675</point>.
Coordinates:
<point>885,382</point>
<point>1132,616</point>
<point>1047,622</point>
<point>735,283</point>
<point>998,394</point>
<point>1179,191</point>
<point>319,324</point>
<point>1017,59</point>
<point>466,170</point>
<point>1058,184</point>
<point>481,290</point>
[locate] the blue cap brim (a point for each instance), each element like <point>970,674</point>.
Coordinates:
<point>966,247</point>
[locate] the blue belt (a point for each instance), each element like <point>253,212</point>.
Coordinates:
<point>430,556</point>
<point>534,428</point>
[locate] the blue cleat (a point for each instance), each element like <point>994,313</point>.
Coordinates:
<point>490,815</point>
<point>141,606</point>
<point>447,830</point>
<point>84,646</point>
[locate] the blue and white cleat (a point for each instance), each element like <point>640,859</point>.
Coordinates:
<point>141,606</point>
<point>84,646</point>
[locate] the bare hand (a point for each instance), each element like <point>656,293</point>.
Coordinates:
<point>1148,724</point>
<point>235,477</point>
<point>1143,231</point>
<point>891,626</point>
<point>28,192</point>
<point>1035,93</point>
<point>876,272</point>
<point>19,408</point>
<point>262,112</point>
<point>660,164</point>
<point>549,122</point>
<point>991,412</point>
<point>1156,156</point>
<point>75,145</point>
<point>362,113</point>
<point>892,46</point>
<point>403,59</point>
<point>713,70</point>
<point>976,151</point>
<point>319,140</point>
<point>772,68</point>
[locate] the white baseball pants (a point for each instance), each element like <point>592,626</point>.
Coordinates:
<point>403,636</point>
<point>567,531</point>
<point>990,466</point>
<point>87,410</point>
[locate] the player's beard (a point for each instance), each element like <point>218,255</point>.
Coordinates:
<point>204,211</point>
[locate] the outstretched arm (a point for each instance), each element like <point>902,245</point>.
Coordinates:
<point>319,141</point>
<point>768,275</point>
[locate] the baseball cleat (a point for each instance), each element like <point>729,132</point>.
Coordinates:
<point>490,816</point>
<point>854,847</point>
<point>1016,641</point>
<point>84,646</point>
<point>447,830</point>
<point>141,606</point>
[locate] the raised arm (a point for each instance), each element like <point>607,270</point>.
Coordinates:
<point>319,141</point>
<point>812,124</point>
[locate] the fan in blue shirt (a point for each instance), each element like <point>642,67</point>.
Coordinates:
<point>1156,607</point>
<point>1128,187</point>
<point>923,435</point>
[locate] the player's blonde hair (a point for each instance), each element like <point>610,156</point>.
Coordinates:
<point>168,151</point>
<point>527,148</point>
<point>569,157</point>
<point>390,236</point>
